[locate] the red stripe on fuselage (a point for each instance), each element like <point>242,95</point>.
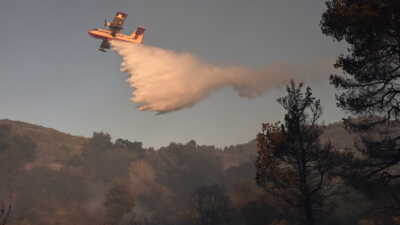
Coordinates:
<point>98,36</point>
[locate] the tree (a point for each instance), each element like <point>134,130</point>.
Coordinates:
<point>292,164</point>
<point>101,141</point>
<point>372,68</point>
<point>42,193</point>
<point>131,146</point>
<point>15,152</point>
<point>369,86</point>
<point>119,201</point>
<point>5,212</point>
<point>103,160</point>
<point>212,205</point>
<point>259,213</point>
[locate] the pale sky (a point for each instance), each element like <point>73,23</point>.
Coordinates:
<point>52,74</point>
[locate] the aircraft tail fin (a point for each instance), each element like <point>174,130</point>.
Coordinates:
<point>138,35</point>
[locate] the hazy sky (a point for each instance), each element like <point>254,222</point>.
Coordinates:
<point>52,75</point>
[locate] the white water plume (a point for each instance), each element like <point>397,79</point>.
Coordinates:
<point>164,80</point>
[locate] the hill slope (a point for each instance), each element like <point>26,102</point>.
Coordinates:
<point>52,145</point>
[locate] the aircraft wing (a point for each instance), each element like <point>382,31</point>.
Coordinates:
<point>118,21</point>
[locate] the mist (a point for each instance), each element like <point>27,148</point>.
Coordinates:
<point>164,80</point>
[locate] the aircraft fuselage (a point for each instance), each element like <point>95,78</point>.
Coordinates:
<point>105,34</point>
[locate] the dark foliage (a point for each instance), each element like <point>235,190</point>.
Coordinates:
<point>118,201</point>
<point>5,212</point>
<point>16,149</point>
<point>212,206</point>
<point>292,164</point>
<point>372,30</point>
<point>370,87</point>
<point>259,213</point>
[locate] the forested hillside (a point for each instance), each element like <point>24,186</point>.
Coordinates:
<point>54,178</point>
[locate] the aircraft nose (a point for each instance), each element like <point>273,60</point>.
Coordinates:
<point>90,32</point>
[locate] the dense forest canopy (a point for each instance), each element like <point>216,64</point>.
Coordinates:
<point>96,180</point>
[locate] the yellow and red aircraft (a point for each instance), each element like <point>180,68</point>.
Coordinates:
<point>114,32</point>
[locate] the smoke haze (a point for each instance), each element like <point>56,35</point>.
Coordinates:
<point>164,80</point>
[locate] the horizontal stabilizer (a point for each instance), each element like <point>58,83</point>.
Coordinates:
<point>139,34</point>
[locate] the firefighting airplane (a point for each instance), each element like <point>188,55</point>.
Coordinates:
<point>114,32</point>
